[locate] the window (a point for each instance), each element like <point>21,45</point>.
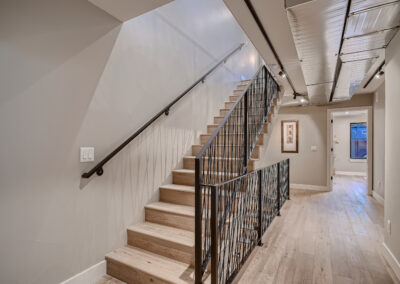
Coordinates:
<point>358,140</point>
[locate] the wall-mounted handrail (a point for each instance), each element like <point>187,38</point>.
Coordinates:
<point>99,167</point>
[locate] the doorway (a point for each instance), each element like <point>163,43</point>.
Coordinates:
<point>350,144</point>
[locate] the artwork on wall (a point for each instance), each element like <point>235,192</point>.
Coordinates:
<point>290,136</point>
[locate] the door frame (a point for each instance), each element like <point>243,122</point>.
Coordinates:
<point>329,143</point>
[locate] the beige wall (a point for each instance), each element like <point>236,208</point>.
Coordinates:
<point>307,167</point>
<point>379,142</point>
<point>72,76</point>
<point>392,149</point>
<point>341,144</point>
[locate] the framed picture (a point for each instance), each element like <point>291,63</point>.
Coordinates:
<point>290,136</point>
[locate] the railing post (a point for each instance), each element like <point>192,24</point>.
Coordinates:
<point>246,131</point>
<point>198,225</point>
<point>260,208</point>
<point>278,188</point>
<point>288,179</point>
<point>214,235</point>
<point>266,92</point>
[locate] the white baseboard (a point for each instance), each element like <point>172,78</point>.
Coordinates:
<point>378,197</point>
<point>88,276</point>
<point>391,259</point>
<point>358,174</point>
<point>309,187</point>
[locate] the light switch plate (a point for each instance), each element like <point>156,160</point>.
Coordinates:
<point>314,148</point>
<point>87,154</point>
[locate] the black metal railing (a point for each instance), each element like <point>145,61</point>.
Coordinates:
<point>226,155</point>
<point>99,167</point>
<point>242,209</point>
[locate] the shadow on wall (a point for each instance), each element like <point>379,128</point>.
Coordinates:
<point>52,55</point>
<point>43,35</point>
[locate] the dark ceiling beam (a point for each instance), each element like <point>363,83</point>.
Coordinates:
<point>264,33</point>
<point>339,61</point>
<point>373,75</point>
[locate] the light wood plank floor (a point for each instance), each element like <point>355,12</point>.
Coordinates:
<point>106,279</point>
<point>323,237</point>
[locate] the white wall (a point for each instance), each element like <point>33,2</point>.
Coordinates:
<point>379,142</point>
<point>307,167</point>
<point>392,149</point>
<point>341,144</point>
<point>71,76</point>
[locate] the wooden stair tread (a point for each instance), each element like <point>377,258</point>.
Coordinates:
<point>166,233</point>
<point>172,208</point>
<point>188,171</point>
<point>179,187</point>
<point>107,279</point>
<point>217,158</point>
<point>160,267</point>
<point>221,145</point>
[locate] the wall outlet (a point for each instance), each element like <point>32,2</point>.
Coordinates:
<point>389,227</point>
<point>87,154</point>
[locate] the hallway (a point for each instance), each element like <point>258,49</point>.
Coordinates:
<point>323,237</point>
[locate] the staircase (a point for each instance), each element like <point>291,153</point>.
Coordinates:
<point>161,250</point>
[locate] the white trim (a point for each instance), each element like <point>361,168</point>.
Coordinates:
<point>359,174</point>
<point>309,187</point>
<point>391,259</point>
<point>369,143</point>
<point>378,197</point>
<point>362,161</point>
<point>88,276</point>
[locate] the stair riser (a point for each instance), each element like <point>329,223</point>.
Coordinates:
<point>170,219</point>
<point>232,101</point>
<point>162,247</point>
<point>224,111</point>
<point>183,178</point>
<point>188,163</point>
<point>177,197</point>
<point>204,138</point>
<point>228,105</point>
<point>218,119</point>
<point>187,178</point>
<point>233,98</point>
<point>212,128</point>
<point>225,152</point>
<point>130,275</point>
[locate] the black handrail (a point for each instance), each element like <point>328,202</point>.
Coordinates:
<point>258,94</point>
<point>99,167</point>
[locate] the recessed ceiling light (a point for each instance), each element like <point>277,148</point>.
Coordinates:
<point>379,74</point>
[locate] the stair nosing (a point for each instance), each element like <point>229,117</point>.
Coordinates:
<point>138,228</point>
<point>166,210</point>
<point>182,265</point>
<point>218,158</point>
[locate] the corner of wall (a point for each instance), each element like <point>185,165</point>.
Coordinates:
<point>391,259</point>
